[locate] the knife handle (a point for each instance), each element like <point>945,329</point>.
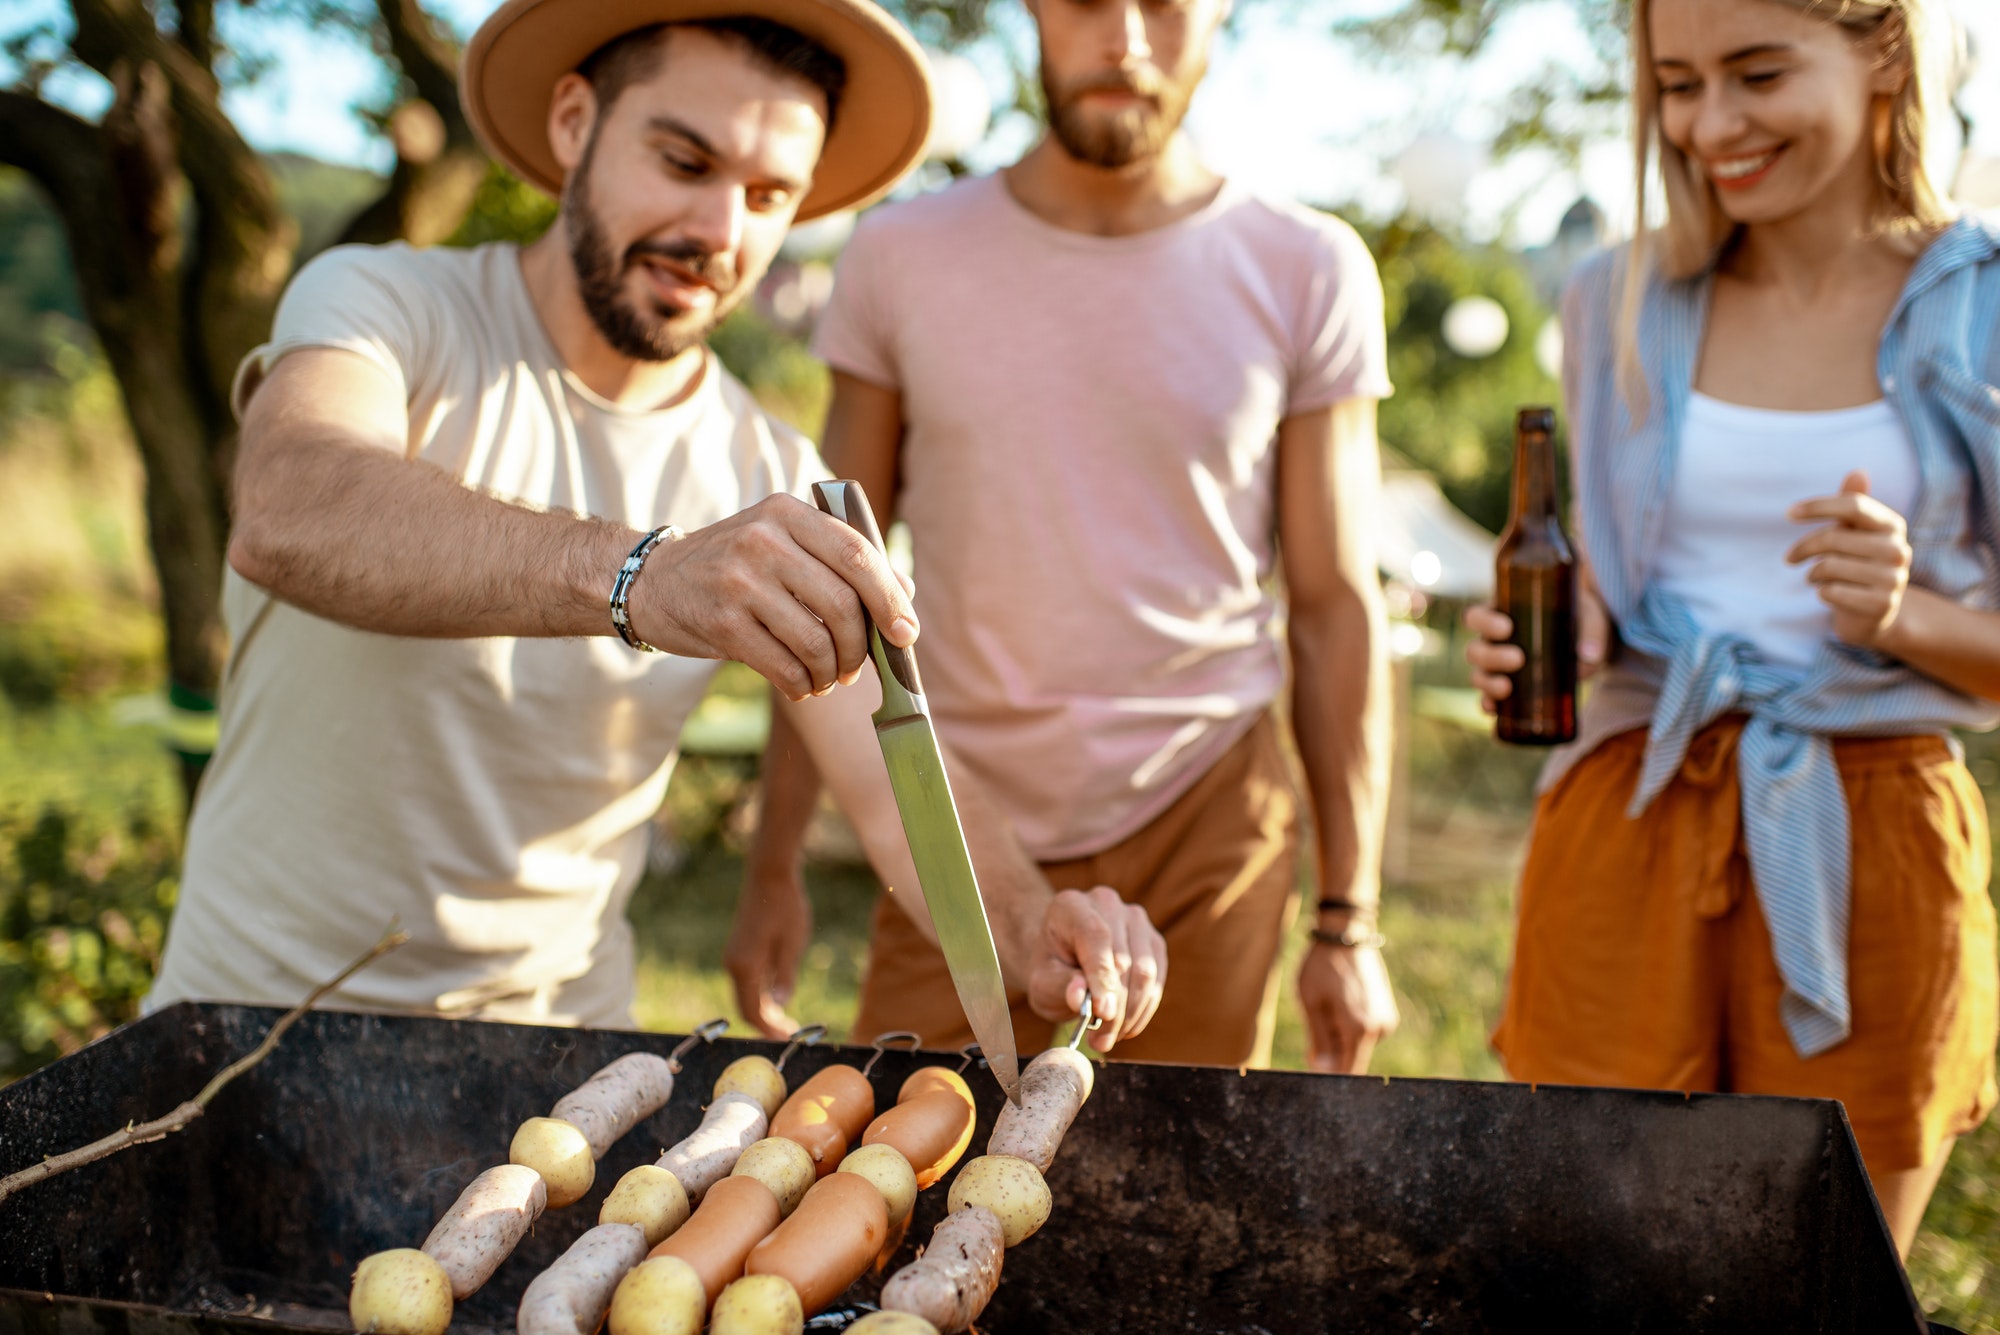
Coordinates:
<point>845,500</point>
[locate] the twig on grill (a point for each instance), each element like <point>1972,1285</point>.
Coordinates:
<point>161,1127</point>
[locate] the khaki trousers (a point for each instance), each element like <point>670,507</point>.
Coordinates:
<point>1217,872</point>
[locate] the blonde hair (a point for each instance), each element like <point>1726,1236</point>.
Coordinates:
<point>1916,34</point>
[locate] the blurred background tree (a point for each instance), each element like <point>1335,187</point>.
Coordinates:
<point>181,246</point>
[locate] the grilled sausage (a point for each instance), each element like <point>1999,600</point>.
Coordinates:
<point>934,1080</point>
<point>826,1114</point>
<point>617,1098</point>
<point>732,1124</point>
<point>950,1285</point>
<point>572,1296</point>
<point>738,1213</point>
<point>932,1130</point>
<point>828,1243</point>
<point>1053,1088</point>
<point>485,1224</point>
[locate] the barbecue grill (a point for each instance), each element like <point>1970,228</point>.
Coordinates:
<point>1186,1198</point>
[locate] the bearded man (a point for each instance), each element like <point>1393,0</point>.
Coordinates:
<point>467,476</point>
<point>1115,396</point>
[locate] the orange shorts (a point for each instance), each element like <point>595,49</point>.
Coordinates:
<point>1642,958</point>
<point>1217,872</point>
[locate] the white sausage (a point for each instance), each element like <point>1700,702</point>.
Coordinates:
<point>572,1296</point>
<point>485,1224</point>
<point>1053,1088</point>
<point>732,1124</point>
<point>617,1098</point>
<point>951,1283</point>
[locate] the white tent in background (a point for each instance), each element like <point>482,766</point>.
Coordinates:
<point>1424,541</point>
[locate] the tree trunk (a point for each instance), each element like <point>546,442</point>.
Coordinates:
<point>177,306</point>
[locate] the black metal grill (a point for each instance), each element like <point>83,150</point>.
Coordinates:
<point>1186,1199</point>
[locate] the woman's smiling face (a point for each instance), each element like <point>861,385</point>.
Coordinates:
<point>1773,105</point>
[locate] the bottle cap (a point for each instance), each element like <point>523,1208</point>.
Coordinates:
<point>1536,419</point>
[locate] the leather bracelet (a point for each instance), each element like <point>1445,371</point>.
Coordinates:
<point>1370,939</point>
<point>621,587</point>
<point>1348,906</point>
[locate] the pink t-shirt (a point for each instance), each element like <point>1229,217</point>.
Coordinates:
<point>1089,476</point>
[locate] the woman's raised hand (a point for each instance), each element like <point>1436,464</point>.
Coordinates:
<point>1860,560</point>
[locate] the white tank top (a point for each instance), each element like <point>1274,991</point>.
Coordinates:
<point>1725,538</point>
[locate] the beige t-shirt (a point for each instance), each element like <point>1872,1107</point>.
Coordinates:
<point>1089,475</point>
<point>489,793</point>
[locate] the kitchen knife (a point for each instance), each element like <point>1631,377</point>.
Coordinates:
<point>930,821</point>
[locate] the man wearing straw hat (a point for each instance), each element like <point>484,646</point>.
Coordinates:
<point>498,511</point>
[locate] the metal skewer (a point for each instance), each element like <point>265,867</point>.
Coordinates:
<point>804,1038</point>
<point>706,1032</point>
<point>882,1042</point>
<point>1086,1022</point>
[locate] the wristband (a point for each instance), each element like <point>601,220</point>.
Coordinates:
<point>621,587</point>
<point>1369,939</point>
<point>1348,906</point>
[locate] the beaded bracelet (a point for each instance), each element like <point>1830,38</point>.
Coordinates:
<point>621,588</point>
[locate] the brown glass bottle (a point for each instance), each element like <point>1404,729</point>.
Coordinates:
<point>1534,583</point>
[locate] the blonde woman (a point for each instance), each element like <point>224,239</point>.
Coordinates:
<point>1762,866</point>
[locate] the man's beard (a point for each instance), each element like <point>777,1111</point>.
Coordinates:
<point>1133,134</point>
<point>642,332</point>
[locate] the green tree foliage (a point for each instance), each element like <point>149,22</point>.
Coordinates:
<point>1454,415</point>
<point>1555,104</point>
<point>83,916</point>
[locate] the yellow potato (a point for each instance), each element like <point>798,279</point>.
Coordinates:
<point>1010,1188</point>
<point>650,1197</point>
<point>559,1152</point>
<point>892,1323</point>
<point>758,1305</point>
<point>885,1166</point>
<point>401,1292</point>
<point>783,1166</point>
<point>758,1078</point>
<point>663,1296</point>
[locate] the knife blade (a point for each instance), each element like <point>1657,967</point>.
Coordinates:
<point>930,822</point>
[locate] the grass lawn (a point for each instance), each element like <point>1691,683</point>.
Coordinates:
<point>1448,917</point>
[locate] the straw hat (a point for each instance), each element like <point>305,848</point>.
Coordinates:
<point>517,55</point>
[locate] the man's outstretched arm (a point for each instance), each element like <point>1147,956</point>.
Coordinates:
<point>333,517</point>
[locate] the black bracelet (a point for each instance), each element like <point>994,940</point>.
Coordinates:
<point>621,587</point>
<point>1346,906</point>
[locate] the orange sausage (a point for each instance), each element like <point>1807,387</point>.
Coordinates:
<point>736,1214</point>
<point>931,1130</point>
<point>825,1114</point>
<point>811,1128</point>
<point>845,1094</point>
<point>828,1243</point>
<point>934,1080</point>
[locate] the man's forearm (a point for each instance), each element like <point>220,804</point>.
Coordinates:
<point>1341,711</point>
<point>372,540</point>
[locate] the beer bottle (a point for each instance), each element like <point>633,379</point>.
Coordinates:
<point>1534,583</point>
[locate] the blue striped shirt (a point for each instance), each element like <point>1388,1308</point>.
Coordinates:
<point>1939,366</point>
